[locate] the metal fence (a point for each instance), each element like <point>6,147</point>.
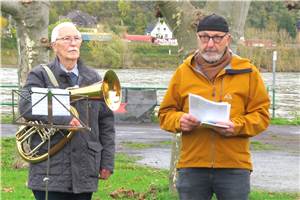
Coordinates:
<point>125,95</point>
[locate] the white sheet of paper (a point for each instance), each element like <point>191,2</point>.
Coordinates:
<point>209,124</point>
<point>42,107</point>
<point>208,111</point>
<point>64,99</point>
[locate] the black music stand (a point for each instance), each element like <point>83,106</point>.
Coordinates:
<point>49,95</point>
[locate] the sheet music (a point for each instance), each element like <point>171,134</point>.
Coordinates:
<point>208,111</point>
<point>41,108</point>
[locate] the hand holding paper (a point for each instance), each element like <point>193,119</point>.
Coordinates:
<point>209,113</point>
<point>188,122</point>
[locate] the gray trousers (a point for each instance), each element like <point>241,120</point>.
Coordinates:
<point>202,183</point>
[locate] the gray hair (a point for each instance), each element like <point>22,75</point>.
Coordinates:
<point>56,29</point>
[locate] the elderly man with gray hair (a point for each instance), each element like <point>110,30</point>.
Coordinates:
<point>74,171</point>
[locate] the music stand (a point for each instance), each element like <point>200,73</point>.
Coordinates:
<point>49,96</point>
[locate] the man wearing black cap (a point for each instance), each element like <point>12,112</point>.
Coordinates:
<point>215,160</point>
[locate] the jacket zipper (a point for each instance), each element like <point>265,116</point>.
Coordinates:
<point>213,135</point>
<point>213,150</point>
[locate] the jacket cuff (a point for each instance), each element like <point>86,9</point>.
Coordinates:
<point>177,122</point>
<point>237,127</point>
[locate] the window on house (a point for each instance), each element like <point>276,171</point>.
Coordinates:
<point>166,36</point>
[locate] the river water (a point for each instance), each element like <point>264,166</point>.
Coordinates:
<point>287,87</point>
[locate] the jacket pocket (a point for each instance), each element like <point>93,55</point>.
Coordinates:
<point>94,146</point>
<point>94,158</point>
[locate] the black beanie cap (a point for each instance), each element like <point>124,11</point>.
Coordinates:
<point>213,23</point>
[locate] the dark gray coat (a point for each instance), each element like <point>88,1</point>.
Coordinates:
<point>76,166</point>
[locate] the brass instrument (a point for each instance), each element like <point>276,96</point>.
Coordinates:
<point>109,90</point>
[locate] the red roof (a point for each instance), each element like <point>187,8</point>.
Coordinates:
<point>142,38</point>
<point>259,43</point>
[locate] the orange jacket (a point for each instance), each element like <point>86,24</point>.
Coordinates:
<point>239,84</point>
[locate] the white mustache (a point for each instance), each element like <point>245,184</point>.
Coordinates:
<point>73,50</point>
<point>210,51</point>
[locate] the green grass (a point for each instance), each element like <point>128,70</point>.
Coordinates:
<point>137,145</point>
<point>262,195</point>
<point>131,181</point>
<point>144,181</point>
<point>258,146</point>
<point>9,57</point>
<point>6,119</point>
<point>284,121</point>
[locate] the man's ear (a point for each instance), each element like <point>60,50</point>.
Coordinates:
<point>229,39</point>
<point>53,46</point>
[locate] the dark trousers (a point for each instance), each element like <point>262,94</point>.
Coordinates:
<point>41,195</point>
<point>202,183</point>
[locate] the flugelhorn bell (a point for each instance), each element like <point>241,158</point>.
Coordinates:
<point>109,89</point>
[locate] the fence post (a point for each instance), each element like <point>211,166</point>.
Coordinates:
<point>273,86</point>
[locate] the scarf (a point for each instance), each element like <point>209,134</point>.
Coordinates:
<point>210,70</point>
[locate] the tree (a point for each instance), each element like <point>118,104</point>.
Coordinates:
<point>32,21</point>
<point>124,9</point>
<point>277,12</point>
<point>140,23</point>
<point>107,54</point>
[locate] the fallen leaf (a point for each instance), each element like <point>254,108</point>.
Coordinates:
<point>7,189</point>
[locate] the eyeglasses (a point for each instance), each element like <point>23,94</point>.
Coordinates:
<point>69,39</point>
<point>215,38</point>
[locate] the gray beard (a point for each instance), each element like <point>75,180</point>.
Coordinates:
<point>210,58</point>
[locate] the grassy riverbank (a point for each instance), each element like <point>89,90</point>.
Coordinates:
<point>284,121</point>
<point>147,55</point>
<point>7,119</point>
<point>134,55</point>
<point>130,181</point>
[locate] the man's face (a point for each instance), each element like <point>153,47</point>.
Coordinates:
<point>212,44</point>
<point>67,44</point>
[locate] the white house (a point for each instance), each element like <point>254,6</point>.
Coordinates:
<point>160,30</point>
<point>162,33</point>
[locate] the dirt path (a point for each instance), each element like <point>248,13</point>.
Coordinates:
<point>278,168</point>
<point>281,138</point>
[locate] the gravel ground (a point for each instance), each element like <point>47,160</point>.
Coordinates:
<point>275,169</point>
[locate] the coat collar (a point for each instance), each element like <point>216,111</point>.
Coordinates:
<point>238,65</point>
<point>84,75</point>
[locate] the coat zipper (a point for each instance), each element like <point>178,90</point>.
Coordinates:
<point>213,135</point>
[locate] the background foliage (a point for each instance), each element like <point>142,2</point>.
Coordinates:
<point>266,21</point>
